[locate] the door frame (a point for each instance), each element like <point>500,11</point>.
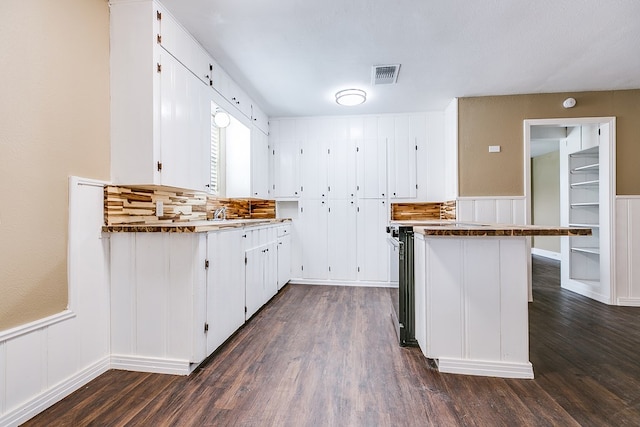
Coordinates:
<point>576,121</point>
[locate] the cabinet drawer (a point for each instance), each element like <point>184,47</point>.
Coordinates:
<point>284,230</point>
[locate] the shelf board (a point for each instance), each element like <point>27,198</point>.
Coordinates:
<point>593,183</point>
<point>585,204</point>
<point>587,168</point>
<point>591,251</point>
<point>589,152</point>
<point>584,225</point>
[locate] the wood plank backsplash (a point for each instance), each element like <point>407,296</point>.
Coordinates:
<point>137,205</point>
<point>423,211</point>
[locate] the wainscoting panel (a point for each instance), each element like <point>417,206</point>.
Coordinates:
<point>627,250</point>
<point>504,210</point>
<point>46,360</point>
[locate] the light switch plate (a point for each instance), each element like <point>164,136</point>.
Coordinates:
<point>159,208</point>
<point>494,148</point>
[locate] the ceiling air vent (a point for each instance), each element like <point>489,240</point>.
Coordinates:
<point>384,74</point>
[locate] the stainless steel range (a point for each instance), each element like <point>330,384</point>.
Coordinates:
<point>401,265</point>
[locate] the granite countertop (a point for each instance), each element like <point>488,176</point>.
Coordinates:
<point>190,227</point>
<point>462,228</point>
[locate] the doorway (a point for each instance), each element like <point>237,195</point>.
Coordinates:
<point>585,158</point>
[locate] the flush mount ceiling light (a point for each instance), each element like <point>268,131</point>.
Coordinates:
<point>350,97</point>
<point>569,103</point>
<point>221,118</point>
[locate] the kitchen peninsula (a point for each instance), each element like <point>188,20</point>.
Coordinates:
<point>471,296</point>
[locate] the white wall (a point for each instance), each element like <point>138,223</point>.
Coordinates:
<point>44,361</point>
<point>627,250</point>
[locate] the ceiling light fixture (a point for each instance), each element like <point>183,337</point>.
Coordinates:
<point>569,103</point>
<point>221,118</point>
<point>350,97</point>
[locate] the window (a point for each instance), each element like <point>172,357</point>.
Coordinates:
<point>214,180</point>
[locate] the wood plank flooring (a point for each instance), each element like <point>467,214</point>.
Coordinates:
<point>327,356</point>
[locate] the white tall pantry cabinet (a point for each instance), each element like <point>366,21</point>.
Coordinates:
<point>342,173</point>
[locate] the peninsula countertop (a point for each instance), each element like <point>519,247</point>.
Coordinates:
<point>190,227</point>
<point>480,229</point>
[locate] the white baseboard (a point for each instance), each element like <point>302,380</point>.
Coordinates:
<point>547,254</point>
<point>363,284</point>
<point>54,394</point>
<point>629,302</point>
<point>485,368</point>
<point>581,289</point>
<point>152,365</point>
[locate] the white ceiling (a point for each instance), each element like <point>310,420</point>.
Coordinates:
<point>291,56</point>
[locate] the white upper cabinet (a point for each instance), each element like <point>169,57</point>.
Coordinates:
<point>178,42</point>
<point>341,162</point>
<point>314,158</point>
<point>402,154</point>
<point>284,138</point>
<point>259,164</point>
<point>159,115</point>
<point>371,158</point>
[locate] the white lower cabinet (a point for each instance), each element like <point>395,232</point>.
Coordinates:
<point>225,285</point>
<point>158,301</point>
<point>176,297</point>
<point>284,255</point>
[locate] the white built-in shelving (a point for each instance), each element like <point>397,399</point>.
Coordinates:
<point>586,194</point>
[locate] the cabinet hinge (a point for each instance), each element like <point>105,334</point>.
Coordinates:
<point>357,149</point>
<point>274,152</point>
<point>206,263</point>
<point>301,188</point>
<point>159,38</point>
<point>416,148</point>
<point>328,188</point>
<point>357,188</point>
<point>159,166</point>
<point>206,328</point>
<point>329,268</point>
<point>598,131</point>
<point>328,150</point>
<point>245,309</point>
<point>245,259</point>
<point>301,151</point>
<point>416,186</point>
<point>358,209</point>
<point>358,269</point>
<point>159,67</point>
<point>302,267</point>
<point>301,209</point>
<point>210,67</point>
<point>158,15</point>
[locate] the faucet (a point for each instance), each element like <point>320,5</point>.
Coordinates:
<point>220,214</point>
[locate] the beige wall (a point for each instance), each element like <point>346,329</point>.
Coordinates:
<point>54,122</point>
<point>497,120</point>
<point>545,197</point>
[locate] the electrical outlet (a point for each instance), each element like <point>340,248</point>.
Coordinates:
<point>494,148</point>
<point>159,208</point>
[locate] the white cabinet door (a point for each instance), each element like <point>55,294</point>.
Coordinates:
<point>254,280</point>
<point>313,160</point>
<point>313,223</point>
<point>342,169</point>
<point>373,255</point>
<point>402,159</point>
<point>270,286</point>
<point>342,235</point>
<point>184,125</point>
<point>225,286</point>
<point>371,155</point>
<point>284,260</point>
<point>285,139</point>
<point>259,164</point>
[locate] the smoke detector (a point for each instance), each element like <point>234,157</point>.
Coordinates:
<point>384,74</point>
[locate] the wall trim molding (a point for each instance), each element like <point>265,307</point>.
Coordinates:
<point>491,197</point>
<point>54,394</point>
<point>485,368</point>
<point>362,284</point>
<point>36,325</point>
<point>623,197</point>
<point>629,302</point>
<point>547,254</point>
<point>152,364</point>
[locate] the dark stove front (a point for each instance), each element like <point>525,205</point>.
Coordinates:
<point>402,267</point>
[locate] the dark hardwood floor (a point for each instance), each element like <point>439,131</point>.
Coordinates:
<point>327,356</point>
